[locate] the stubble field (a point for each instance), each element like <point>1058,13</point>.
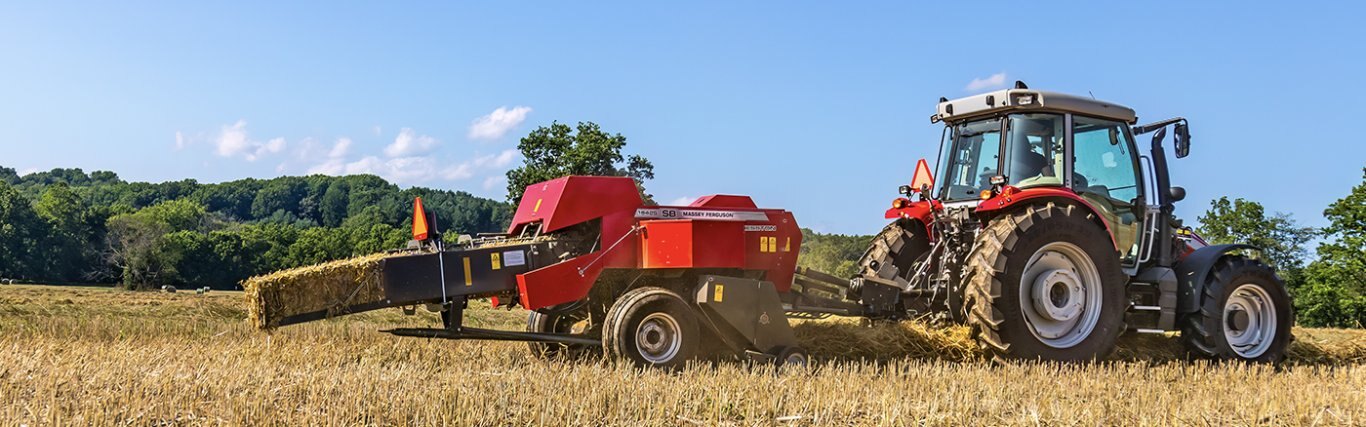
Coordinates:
<point>94,356</point>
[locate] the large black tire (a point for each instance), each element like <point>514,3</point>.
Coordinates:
<point>993,284</point>
<point>1207,332</point>
<point>899,244</point>
<point>556,323</point>
<point>651,326</point>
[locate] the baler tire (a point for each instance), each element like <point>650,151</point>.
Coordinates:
<point>550,323</point>
<point>622,329</point>
<point>792,357</point>
<point>1203,332</point>
<point>993,284</point>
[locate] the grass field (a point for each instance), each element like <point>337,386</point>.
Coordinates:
<point>94,356</point>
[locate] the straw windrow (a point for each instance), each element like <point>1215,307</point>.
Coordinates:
<point>323,287</point>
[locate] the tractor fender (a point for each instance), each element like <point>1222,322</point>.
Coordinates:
<point>920,211</point>
<point>1193,270</point>
<point>1012,197</point>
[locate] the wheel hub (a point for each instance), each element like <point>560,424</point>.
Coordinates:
<point>1249,321</point>
<point>658,337</point>
<point>1060,294</point>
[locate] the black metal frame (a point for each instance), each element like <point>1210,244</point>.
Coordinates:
<point>456,330</point>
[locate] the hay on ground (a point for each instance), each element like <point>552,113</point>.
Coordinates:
<point>324,287</point>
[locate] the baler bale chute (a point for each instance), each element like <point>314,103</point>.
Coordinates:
<point>655,285</point>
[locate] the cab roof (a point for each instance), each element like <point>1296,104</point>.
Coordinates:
<point>1008,100</point>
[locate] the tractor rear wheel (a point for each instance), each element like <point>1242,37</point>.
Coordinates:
<point>1244,314</point>
<point>568,321</point>
<point>1044,282</point>
<point>651,326</point>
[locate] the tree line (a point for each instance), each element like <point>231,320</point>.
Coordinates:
<point>65,225</point>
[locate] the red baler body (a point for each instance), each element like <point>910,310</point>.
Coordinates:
<point>714,232</point>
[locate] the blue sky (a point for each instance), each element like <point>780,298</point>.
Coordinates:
<point>819,108</point>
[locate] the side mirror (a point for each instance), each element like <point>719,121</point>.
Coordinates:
<point>1177,193</point>
<point>1183,140</point>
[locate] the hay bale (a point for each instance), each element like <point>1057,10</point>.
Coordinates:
<point>323,287</point>
<point>168,289</point>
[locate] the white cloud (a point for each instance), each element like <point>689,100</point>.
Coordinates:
<point>29,171</point>
<point>378,130</point>
<point>493,182</point>
<point>496,160</point>
<point>341,148</point>
<point>180,141</point>
<point>991,82</point>
<point>457,172</point>
<point>233,141</point>
<point>498,123</point>
<point>409,143</point>
<point>682,201</point>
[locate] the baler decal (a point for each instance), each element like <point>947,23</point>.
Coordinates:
<point>494,258</point>
<point>716,297</point>
<point>469,280</point>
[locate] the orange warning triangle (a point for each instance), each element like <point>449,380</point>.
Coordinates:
<point>922,177</point>
<point>419,220</point>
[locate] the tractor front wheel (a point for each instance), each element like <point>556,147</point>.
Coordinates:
<point>651,326</point>
<point>1044,282</point>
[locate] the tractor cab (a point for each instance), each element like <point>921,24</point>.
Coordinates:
<point>1023,139</point>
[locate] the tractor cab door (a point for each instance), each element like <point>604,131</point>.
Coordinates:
<point>1105,174</point>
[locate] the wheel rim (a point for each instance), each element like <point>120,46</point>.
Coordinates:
<point>1249,320</point>
<point>1060,295</point>
<point>658,338</point>
<point>795,359</point>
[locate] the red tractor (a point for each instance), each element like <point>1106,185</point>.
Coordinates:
<point>1048,232</point>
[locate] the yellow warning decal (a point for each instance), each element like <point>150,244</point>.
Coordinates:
<point>469,280</point>
<point>787,246</point>
<point>497,263</point>
<point>716,297</point>
<point>538,206</point>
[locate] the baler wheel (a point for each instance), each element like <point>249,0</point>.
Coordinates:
<point>792,357</point>
<point>1244,315</point>
<point>564,323</point>
<point>651,326</point>
<point>1044,282</point>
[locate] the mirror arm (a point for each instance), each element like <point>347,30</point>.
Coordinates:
<point>1142,129</point>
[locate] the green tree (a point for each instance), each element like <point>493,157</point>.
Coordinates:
<point>1281,239</point>
<point>134,243</point>
<point>836,254</point>
<point>557,150</point>
<point>68,253</point>
<point>333,205</point>
<point>1336,281</point>
<point>21,232</point>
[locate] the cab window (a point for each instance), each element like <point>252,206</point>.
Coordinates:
<point>1034,156</point>
<point>1104,163</point>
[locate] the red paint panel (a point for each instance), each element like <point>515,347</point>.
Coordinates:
<point>724,201</point>
<point>570,200</point>
<point>686,243</point>
<point>1012,196</point>
<point>559,283</point>
<point>774,250</point>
